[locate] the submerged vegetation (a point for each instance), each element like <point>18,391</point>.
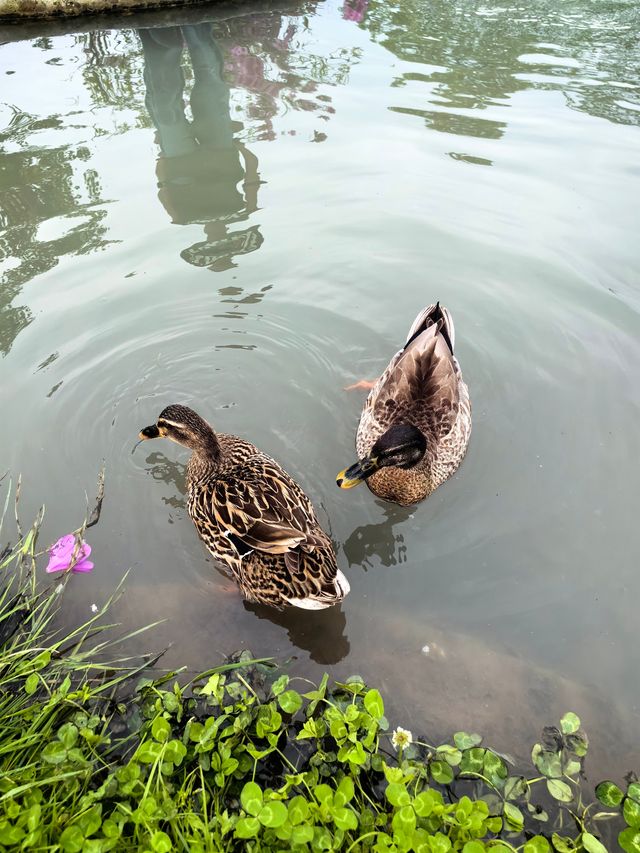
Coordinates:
<point>98,756</point>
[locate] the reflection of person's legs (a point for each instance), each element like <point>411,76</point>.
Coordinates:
<point>164,83</point>
<point>210,95</point>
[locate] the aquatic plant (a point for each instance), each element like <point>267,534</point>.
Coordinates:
<point>98,756</point>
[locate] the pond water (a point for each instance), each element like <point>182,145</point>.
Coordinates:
<point>243,208</point>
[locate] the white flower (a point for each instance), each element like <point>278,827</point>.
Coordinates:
<point>401,738</point>
<point>94,608</point>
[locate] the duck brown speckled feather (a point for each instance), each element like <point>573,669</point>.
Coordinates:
<point>422,386</point>
<point>254,518</point>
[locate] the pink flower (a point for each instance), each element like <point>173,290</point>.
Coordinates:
<point>62,556</point>
<point>354,10</point>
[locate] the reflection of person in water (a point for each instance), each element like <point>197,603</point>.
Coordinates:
<point>201,164</point>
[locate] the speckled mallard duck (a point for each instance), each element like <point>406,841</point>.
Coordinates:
<point>415,425</point>
<point>253,516</point>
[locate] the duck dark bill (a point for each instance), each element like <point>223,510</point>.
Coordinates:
<point>357,473</point>
<point>149,432</point>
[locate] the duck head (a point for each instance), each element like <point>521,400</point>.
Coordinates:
<point>184,426</point>
<point>401,446</point>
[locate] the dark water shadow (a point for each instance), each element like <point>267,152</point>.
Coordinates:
<point>322,633</point>
<point>169,472</point>
<point>379,540</point>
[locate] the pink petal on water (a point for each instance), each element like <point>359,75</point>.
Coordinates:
<point>62,555</point>
<point>57,564</point>
<point>64,545</point>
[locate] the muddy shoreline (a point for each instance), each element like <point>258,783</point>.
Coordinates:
<point>28,9</point>
<point>57,18</point>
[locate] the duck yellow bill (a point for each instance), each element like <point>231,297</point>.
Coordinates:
<point>350,477</point>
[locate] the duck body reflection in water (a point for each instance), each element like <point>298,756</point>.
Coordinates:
<point>201,163</point>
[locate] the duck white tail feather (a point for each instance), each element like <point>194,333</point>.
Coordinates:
<point>342,589</point>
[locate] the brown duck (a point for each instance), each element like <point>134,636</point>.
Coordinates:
<point>416,422</point>
<point>253,516</point>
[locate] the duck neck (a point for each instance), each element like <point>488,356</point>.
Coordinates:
<point>205,459</point>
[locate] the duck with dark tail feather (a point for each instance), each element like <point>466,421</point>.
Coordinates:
<point>253,516</point>
<point>416,422</point>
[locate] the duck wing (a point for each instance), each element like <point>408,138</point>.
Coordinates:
<point>421,385</point>
<point>262,509</point>
<point>259,504</point>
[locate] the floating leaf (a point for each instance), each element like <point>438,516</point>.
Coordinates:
<point>473,847</point>
<point>161,842</point>
<point>91,820</point>
<point>424,803</point>
<point>68,735</point>
<point>513,816</point>
<point>290,701</point>
<point>633,791</point>
<point>572,768</point>
<point>404,820</point>
<point>345,791</point>
<point>494,769</point>
<point>247,827</point>
<point>549,764</point>
<point>54,752</point>
<point>31,684</point>
<point>609,794</point>
<point>324,795</point>
<point>466,741</point>
<point>494,824</point>
<point>631,812</point>
<point>463,809</point>
<point>451,754</point>
<point>175,751</point>
<point>273,814</point>
<point>397,794</point>
<point>148,752</point>
<point>515,787</point>
<point>440,843</point>
<point>578,743</point>
<point>251,799</point>
<point>72,839</point>
<point>570,723</point>
<point>537,812</point>
<point>629,840</point>
<point>302,834</point>
<point>279,685</point>
<point>562,844</point>
<point>374,704</point>
<point>345,819</point>
<point>537,844</point>
<point>560,790</point>
<point>591,843</point>
<point>441,772</point>
<point>472,760</point>
<point>160,729</point>
<point>298,810</point>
